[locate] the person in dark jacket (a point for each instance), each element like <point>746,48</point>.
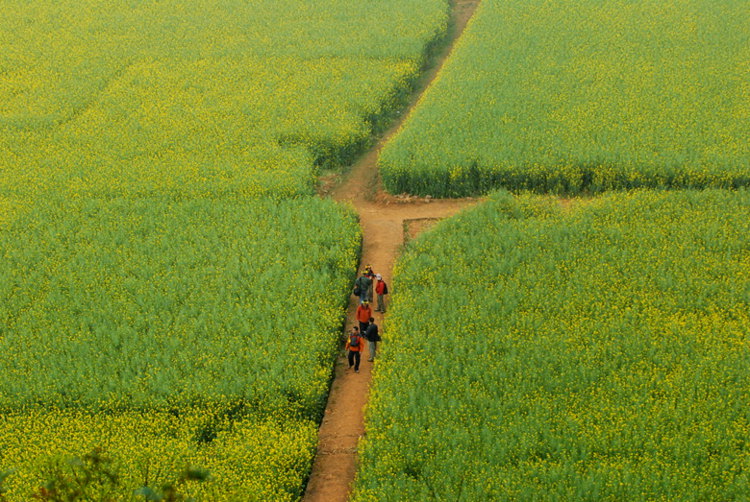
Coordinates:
<point>373,337</point>
<point>363,285</point>
<point>371,291</point>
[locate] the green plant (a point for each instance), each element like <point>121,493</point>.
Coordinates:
<point>96,476</point>
<point>3,476</point>
<point>89,477</point>
<point>171,492</point>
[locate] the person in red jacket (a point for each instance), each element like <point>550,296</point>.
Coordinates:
<point>381,290</point>
<point>355,345</point>
<point>364,312</point>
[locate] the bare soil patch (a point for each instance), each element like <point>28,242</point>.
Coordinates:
<point>414,227</point>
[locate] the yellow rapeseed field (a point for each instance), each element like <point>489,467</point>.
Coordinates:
<point>170,288</point>
<point>196,99</point>
<point>596,350</point>
<point>584,95</point>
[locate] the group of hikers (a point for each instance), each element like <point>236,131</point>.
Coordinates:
<point>364,287</point>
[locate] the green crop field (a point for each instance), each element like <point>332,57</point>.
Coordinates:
<point>189,99</point>
<point>584,96</point>
<point>143,304</point>
<point>170,289</point>
<point>590,351</point>
<point>205,322</point>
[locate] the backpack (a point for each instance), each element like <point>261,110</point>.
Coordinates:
<point>385,288</point>
<point>354,340</point>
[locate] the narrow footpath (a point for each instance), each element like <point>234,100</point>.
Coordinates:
<point>385,220</point>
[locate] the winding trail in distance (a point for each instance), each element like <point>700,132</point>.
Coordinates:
<point>384,220</point>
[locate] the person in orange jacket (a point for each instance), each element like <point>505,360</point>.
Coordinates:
<point>364,312</point>
<point>355,345</point>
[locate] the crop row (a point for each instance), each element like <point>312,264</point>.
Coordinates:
<point>595,350</point>
<point>583,96</point>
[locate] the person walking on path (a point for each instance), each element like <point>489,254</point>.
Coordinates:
<point>364,314</point>
<point>362,287</point>
<point>373,337</point>
<point>371,291</point>
<point>354,346</point>
<point>381,290</point>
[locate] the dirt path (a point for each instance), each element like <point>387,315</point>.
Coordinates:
<point>384,219</point>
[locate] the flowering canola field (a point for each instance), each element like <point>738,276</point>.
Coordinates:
<point>144,304</point>
<point>170,289</point>
<point>248,458</point>
<point>198,98</point>
<point>594,351</point>
<point>584,96</point>
<point>171,334</point>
